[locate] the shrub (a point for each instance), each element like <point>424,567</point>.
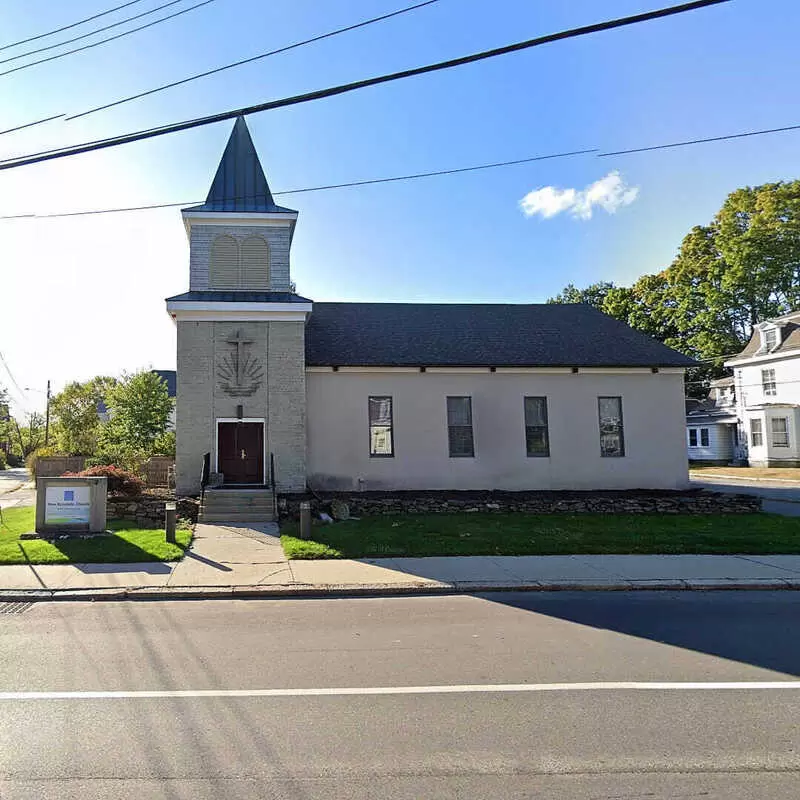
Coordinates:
<point>120,481</point>
<point>3,462</point>
<point>32,460</point>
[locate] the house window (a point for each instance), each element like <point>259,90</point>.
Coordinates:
<point>780,431</point>
<point>770,338</point>
<point>768,381</point>
<point>459,427</point>
<point>381,435</point>
<point>537,440</point>
<point>612,440</point>
<point>756,433</point>
<point>693,437</point>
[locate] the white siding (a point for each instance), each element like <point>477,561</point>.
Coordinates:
<point>338,431</point>
<point>720,443</point>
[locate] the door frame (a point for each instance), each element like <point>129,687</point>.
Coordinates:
<point>263,422</point>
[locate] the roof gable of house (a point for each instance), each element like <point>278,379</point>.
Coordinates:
<point>438,334</point>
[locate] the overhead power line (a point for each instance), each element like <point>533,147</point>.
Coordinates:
<point>90,33</point>
<point>413,176</point>
<point>393,179</point>
<point>71,25</point>
<point>109,39</point>
<point>116,141</point>
<point>250,60</point>
<point>31,124</point>
<point>22,395</point>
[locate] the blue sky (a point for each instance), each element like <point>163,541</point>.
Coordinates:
<point>85,296</point>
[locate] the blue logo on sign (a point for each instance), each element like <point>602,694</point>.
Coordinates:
<point>69,494</point>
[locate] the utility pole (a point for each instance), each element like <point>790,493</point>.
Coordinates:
<point>47,417</point>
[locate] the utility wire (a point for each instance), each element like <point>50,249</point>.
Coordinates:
<point>22,395</point>
<point>71,25</point>
<point>253,58</point>
<point>116,141</point>
<point>109,39</point>
<point>90,33</point>
<point>367,182</point>
<point>414,176</point>
<point>31,124</point>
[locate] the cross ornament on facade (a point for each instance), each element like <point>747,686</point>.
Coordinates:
<point>239,342</point>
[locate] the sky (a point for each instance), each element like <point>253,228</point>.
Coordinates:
<point>84,296</point>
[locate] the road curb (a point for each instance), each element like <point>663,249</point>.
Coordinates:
<point>321,591</point>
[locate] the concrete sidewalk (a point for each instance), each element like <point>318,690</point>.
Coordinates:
<point>240,560</point>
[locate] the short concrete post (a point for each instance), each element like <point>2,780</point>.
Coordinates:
<point>305,520</point>
<point>172,516</point>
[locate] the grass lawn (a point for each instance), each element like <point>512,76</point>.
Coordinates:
<point>128,543</point>
<point>782,473</point>
<point>545,534</point>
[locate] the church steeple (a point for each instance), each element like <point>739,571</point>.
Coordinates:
<point>240,184</point>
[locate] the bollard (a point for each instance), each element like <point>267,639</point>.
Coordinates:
<point>305,520</point>
<point>172,515</point>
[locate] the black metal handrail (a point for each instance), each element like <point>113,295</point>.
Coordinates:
<point>205,474</point>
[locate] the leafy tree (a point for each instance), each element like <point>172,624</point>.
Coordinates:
<point>139,408</point>
<point>75,413</point>
<point>593,295</point>
<point>29,437</point>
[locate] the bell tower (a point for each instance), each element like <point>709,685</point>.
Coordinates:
<point>241,334</point>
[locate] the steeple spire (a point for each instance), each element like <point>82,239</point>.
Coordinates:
<point>240,184</point>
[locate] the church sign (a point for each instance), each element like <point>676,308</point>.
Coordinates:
<point>71,505</point>
<point>239,371</point>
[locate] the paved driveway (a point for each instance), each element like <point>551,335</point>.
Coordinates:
<point>780,497</point>
<point>15,488</point>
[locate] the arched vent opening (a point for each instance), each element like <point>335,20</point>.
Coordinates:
<point>223,270</point>
<point>255,263</point>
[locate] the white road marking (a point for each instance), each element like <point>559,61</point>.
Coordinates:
<point>489,688</point>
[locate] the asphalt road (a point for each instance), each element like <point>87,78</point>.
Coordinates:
<point>779,497</point>
<point>13,490</point>
<point>347,725</point>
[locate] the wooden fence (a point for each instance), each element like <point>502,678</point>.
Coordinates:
<point>157,471</point>
<point>53,466</point>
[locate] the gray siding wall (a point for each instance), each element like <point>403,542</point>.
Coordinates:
<point>278,348</point>
<point>277,237</point>
<point>720,443</point>
<point>338,438</point>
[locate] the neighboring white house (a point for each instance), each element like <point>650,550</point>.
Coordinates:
<point>712,433</point>
<point>767,387</point>
<point>391,396</point>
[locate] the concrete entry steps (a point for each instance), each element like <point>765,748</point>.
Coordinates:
<point>237,505</point>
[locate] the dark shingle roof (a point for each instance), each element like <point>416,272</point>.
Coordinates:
<point>398,334</point>
<point>216,296</point>
<point>240,183</point>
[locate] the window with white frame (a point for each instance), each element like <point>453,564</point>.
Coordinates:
<point>537,440</point>
<point>612,439</point>
<point>699,436</point>
<point>459,427</point>
<point>768,382</point>
<point>779,427</point>
<point>770,338</point>
<point>756,433</point>
<point>381,434</point>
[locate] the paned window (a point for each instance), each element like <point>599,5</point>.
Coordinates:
<point>756,433</point>
<point>537,438</point>
<point>780,431</point>
<point>381,429</point>
<point>768,382</point>
<point>459,427</point>
<point>612,438</point>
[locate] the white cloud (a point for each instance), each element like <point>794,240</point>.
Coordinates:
<point>609,193</point>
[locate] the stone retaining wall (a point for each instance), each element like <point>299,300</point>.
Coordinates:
<point>610,502</point>
<point>148,509</point>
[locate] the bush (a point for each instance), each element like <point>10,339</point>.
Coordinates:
<point>32,460</point>
<point>3,462</point>
<point>120,481</point>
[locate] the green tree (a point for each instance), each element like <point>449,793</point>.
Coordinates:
<point>593,295</point>
<point>30,436</point>
<point>75,411</point>
<point>139,408</point>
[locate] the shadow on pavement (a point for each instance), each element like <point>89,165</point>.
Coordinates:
<point>758,628</point>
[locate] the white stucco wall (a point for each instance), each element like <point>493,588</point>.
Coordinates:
<point>338,433</point>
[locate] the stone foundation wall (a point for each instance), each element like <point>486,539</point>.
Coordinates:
<point>147,510</point>
<point>611,502</point>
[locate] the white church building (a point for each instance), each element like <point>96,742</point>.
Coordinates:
<point>395,396</point>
